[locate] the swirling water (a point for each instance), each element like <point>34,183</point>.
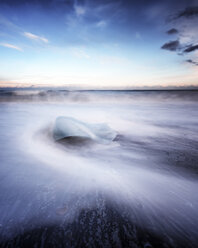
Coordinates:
<point>139,191</point>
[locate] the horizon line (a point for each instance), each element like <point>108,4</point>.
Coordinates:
<point>77,88</point>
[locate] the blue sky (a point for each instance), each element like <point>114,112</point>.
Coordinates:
<point>98,43</point>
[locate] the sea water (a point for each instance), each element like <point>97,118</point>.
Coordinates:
<point>140,190</point>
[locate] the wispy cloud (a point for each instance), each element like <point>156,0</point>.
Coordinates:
<point>8,24</point>
<point>192,62</point>
<point>101,24</point>
<point>79,10</point>
<point>188,12</point>
<point>80,53</point>
<point>11,46</point>
<point>35,37</point>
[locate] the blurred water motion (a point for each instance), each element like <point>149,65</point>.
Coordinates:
<point>139,191</point>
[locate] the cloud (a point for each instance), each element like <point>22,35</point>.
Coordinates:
<point>192,62</point>
<point>189,12</point>
<point>79,10</point>
<point>171,45</point>
<point>185,25</point>
<point>101,24</point>
<point>11,46</point>
<point>35,37</point>
<point>172,31</point>
<point>191,48</point>
<point>80,53</point>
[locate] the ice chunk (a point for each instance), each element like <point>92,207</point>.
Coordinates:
<point>66,127</point>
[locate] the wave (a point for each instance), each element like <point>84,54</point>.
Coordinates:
<point>140,190</point>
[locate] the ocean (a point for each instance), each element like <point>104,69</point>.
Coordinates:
<point>138,190</point>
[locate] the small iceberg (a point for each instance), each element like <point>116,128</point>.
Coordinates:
<point>70,128</point>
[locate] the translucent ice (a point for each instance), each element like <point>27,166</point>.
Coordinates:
<point>66,127</point>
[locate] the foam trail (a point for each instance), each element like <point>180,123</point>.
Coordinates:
<point>144,183</point>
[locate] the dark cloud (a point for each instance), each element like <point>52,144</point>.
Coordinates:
<point>192,62</point>
<point>172,31</point>
<point>171,45</point>
<point>185,19</point>
<point>190,48</point>
<point>188,12</point>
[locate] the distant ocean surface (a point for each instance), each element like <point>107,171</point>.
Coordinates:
<point>140,190</point>
<point>42,95</point>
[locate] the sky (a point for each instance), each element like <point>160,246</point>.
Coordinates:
<point>98,43</point>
